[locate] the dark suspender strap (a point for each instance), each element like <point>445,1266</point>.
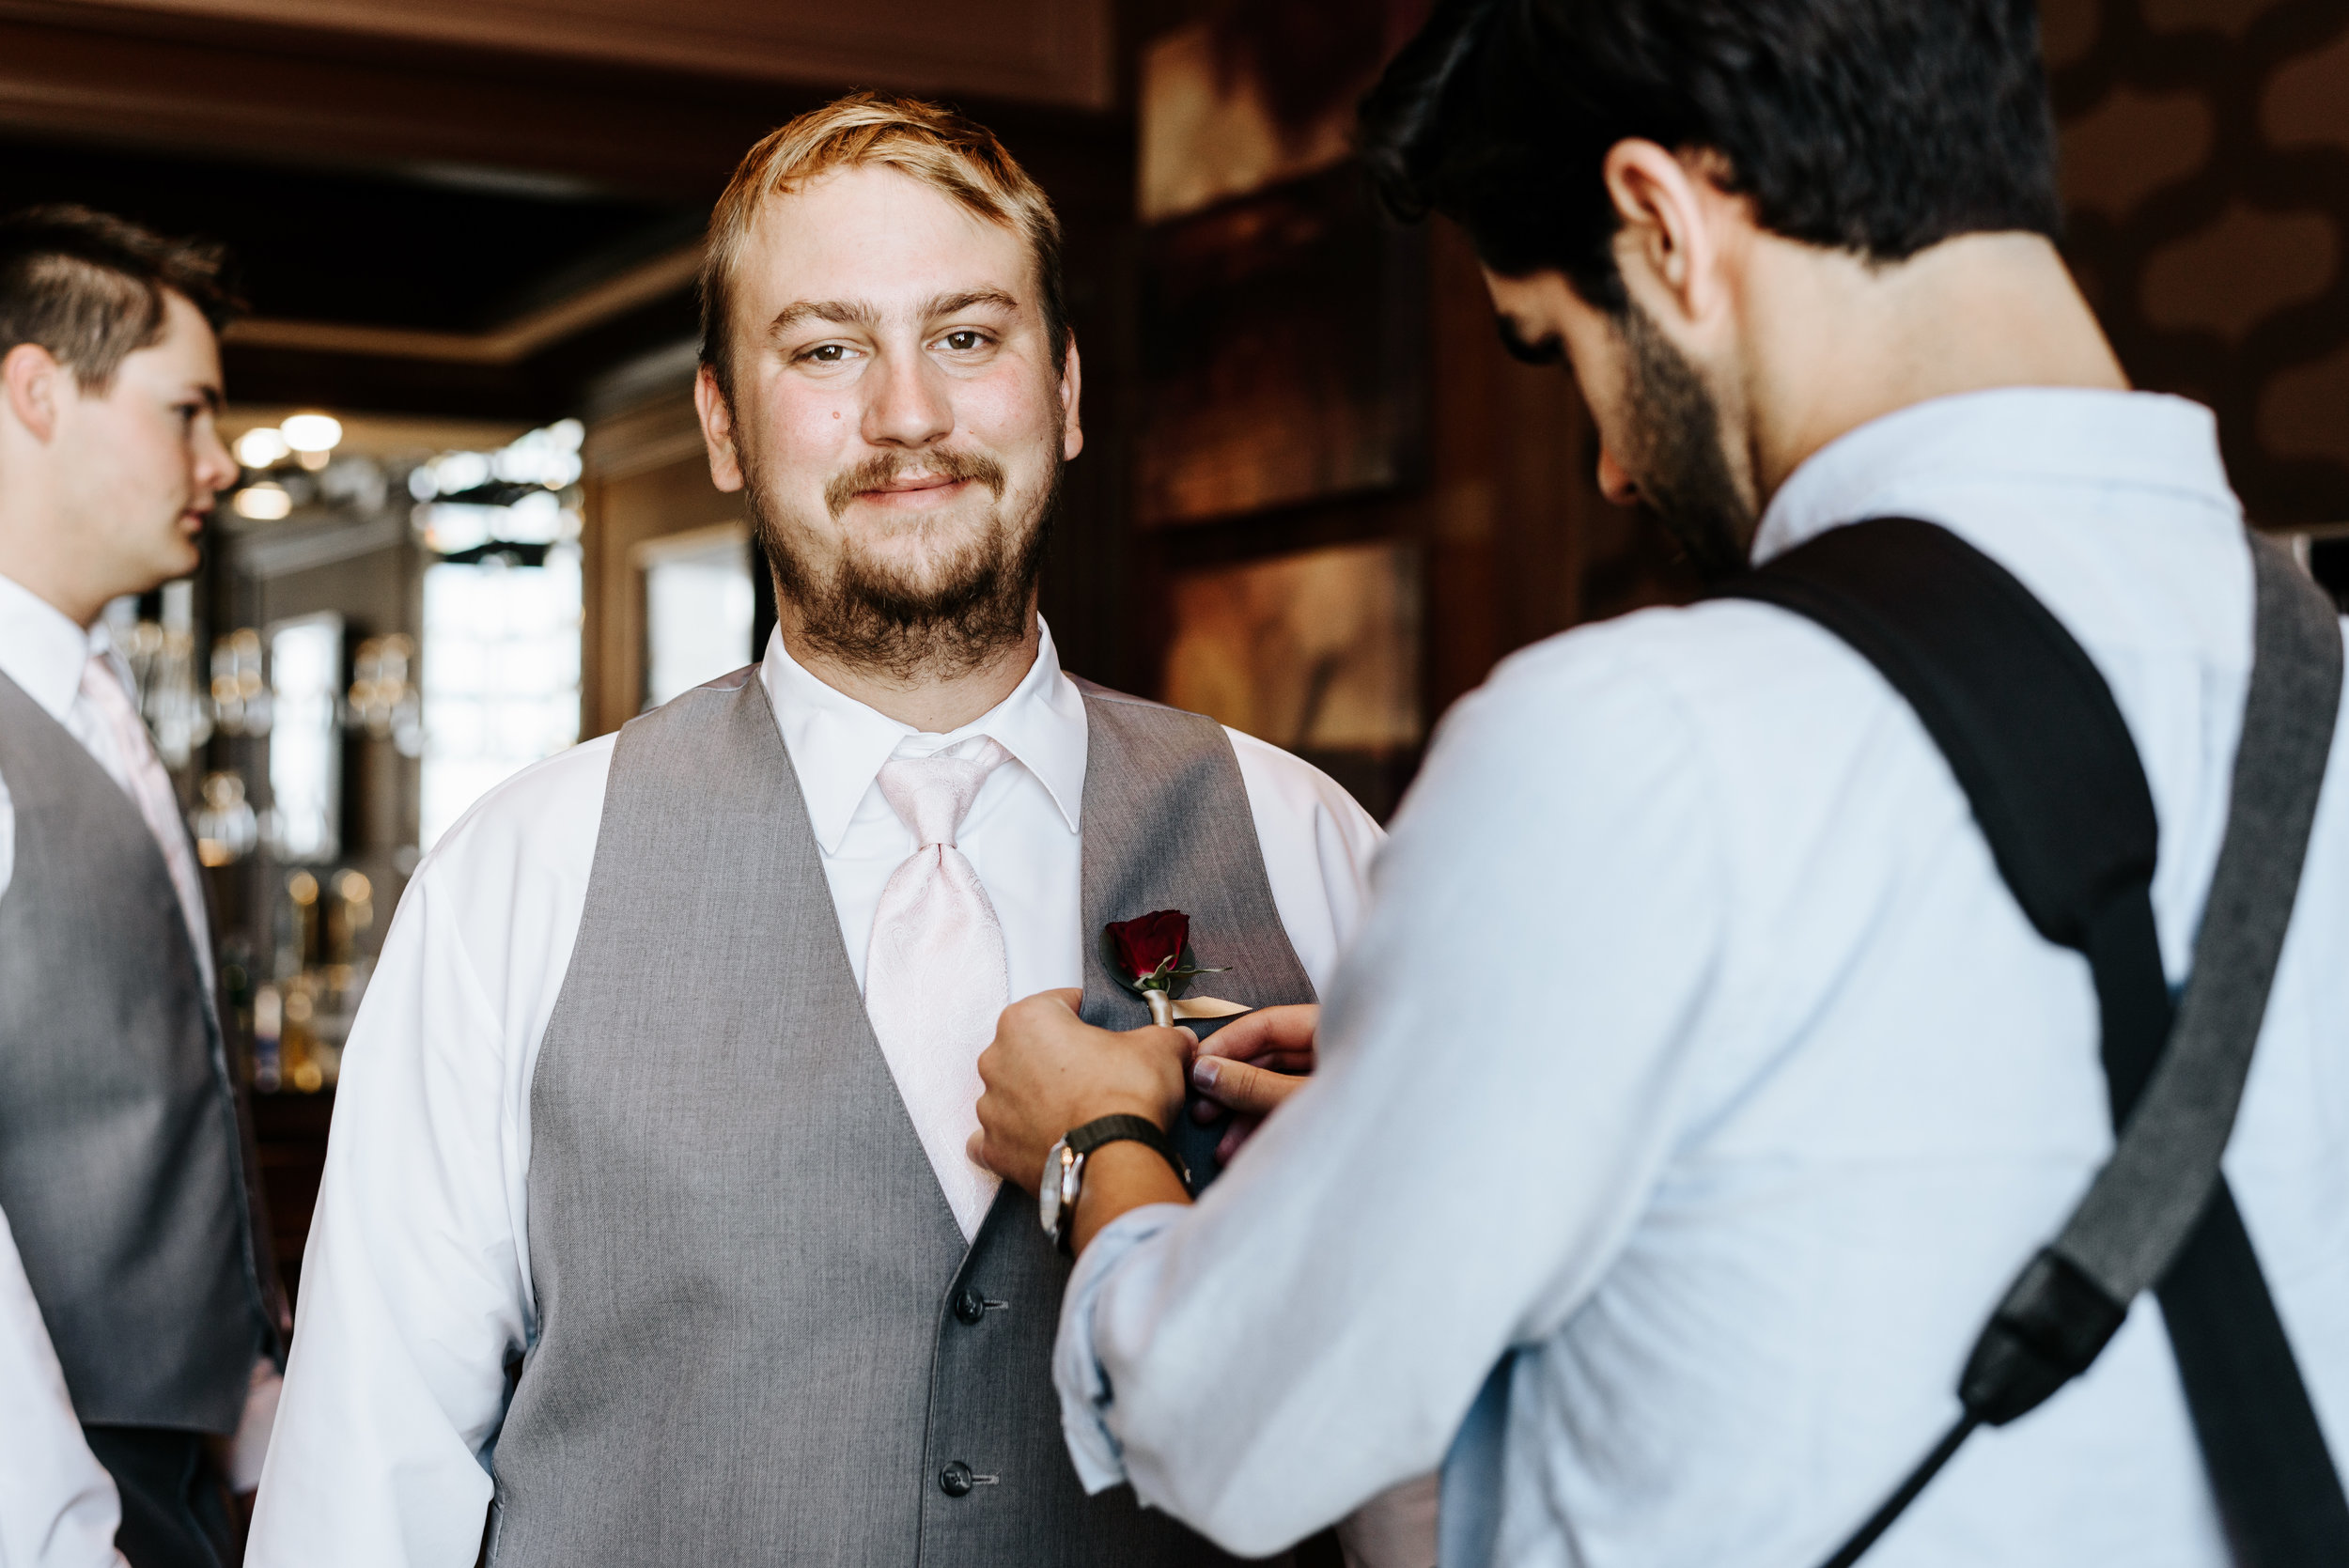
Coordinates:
<point>2035,740</point>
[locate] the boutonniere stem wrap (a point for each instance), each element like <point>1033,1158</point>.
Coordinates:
<point>1150,956</point>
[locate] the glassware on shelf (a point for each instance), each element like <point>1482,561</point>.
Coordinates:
<point>383,698</point>
<point>269,1025</point>
<point>161,656</point>
<point>322,975</point>
<point>240,695</point>
<point>353,911</point>
<point>226,827</point>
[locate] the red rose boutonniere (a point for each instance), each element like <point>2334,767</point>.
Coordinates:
<point>1146,955</point>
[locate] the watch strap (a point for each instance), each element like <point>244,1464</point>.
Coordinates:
<point>1119,1129</point>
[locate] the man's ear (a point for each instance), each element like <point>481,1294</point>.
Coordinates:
<point>717,417</point>
<point>1072,388</point>
<point>1676,221</point>
<point>34,385</point>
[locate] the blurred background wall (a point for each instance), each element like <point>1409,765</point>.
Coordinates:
<point>2206,178</point>
<point>1316,499</point>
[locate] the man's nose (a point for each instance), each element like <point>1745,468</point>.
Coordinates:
<point>908,405</point>
<point>215,470</point>
<point>1614,482</point>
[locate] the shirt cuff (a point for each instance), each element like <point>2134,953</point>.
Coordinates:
<point>1084,1388</point>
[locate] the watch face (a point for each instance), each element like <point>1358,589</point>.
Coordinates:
<point>1047,1190</point>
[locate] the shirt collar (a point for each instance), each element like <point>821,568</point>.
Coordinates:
<point>41,649</point>
<point>2039,434</point>
<point>838,744</point>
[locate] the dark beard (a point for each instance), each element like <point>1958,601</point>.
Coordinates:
<point>1683,474</point>
<point>871,618</point>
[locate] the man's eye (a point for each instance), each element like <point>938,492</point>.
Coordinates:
<point>828,353</point>
<point>964,341</point>
<point>1546,351</point>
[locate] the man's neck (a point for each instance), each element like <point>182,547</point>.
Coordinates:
<point>39,573</point>
<point>933,704</point>
<point>1837,342</point>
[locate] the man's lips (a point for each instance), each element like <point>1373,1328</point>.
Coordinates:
<point>908,484</point>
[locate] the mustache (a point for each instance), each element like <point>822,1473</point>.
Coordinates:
<point>883,468</point>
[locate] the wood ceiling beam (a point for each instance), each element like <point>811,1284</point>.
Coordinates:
<point>269,94</point>
<point>1054,51</point>
<point>510,344</point>
<point>92,73</point>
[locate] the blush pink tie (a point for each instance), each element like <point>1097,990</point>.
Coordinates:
<point>142,777</point>
<point>935,977</point>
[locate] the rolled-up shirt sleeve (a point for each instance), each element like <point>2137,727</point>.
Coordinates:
<point>1084,1390</point>
<point>1504,1051</point>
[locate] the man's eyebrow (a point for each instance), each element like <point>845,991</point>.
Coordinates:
<point>843,312</point>
<point>954,305</point>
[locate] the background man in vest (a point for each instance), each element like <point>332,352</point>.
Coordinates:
<point>132,1316</point>
<point>648,1228</point>
<point>1697,1085</point>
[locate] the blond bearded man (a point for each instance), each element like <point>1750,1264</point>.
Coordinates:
<point>648,1231</point>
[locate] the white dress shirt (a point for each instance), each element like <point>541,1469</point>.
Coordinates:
<point>1695,1050</point>
<point>415,1286</point>
<point>57,1505</point>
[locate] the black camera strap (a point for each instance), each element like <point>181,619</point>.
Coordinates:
<point>2032,731</point>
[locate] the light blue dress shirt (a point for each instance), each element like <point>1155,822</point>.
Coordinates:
<point>1696,1087</point>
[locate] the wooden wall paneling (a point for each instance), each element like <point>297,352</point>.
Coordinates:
<point>1089,559</point>
<point>2205,176</point>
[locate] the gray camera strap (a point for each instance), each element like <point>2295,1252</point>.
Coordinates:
<point>2033,735</point>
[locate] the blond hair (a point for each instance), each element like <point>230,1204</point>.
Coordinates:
<point>958,158</point>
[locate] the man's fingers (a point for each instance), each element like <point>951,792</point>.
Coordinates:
<point>1239,1085</point>
<point>1240,1132</point>
<point>1252,1035</point>
<point>1068,999</point>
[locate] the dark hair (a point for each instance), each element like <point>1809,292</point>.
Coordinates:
<point>1879,127</point>
<point>89,288</point>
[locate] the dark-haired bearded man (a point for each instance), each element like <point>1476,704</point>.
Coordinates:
<point>649,1230</point>
<point>1697,1086</point>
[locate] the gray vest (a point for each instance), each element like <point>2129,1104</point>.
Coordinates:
<point>121,1165</point>
<point>762,1339</point>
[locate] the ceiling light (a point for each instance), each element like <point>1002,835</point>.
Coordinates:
<point>312,432</point>
<point>259,448</point>
<point>263,503</point>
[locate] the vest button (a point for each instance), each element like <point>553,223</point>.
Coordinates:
<point>955,1479</point>
<point>969,1306</point>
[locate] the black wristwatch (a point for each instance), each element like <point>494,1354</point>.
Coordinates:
<point>1065,1168</point>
